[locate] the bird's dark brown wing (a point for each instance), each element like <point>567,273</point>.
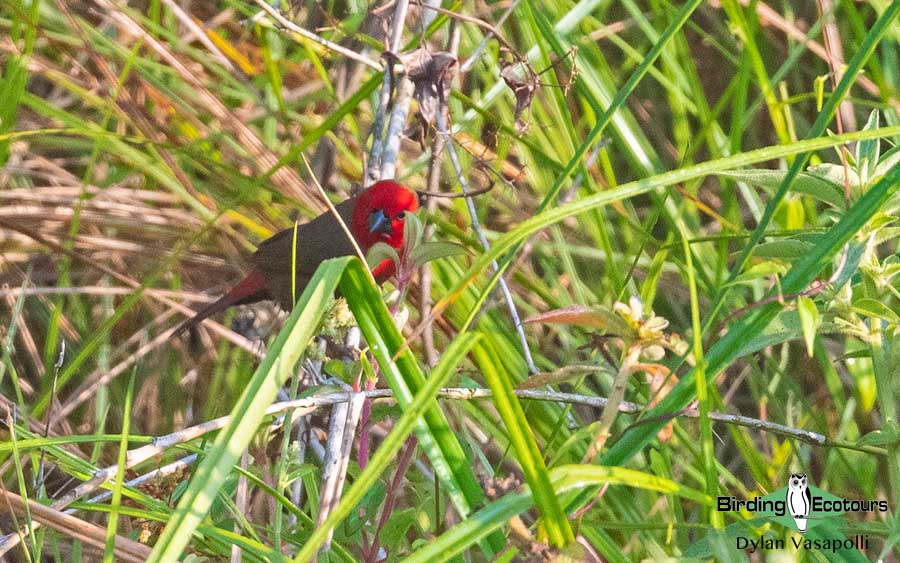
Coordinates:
<point>318,240</point>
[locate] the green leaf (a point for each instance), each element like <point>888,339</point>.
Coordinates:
<point>868,152</point>
<point>823,189</point>
<point>648,288</point>
<point>855,253</point>
<point>413,231</point>
<point>397,526</point>
<point>889,435</point>
<point>875,309</point>
<point>553,520</point>
<point>380,252</point>
<point>435,250</point>
<point>888,161</point>
<point>761,270</point>
<point>786,249</point>
<point>810,319</point>
<point>836,174</point>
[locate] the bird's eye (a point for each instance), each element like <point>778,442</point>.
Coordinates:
<point>401,215</point>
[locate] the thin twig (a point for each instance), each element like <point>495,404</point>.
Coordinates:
<point>125,549</point>
<point>289,25</point>
<point>395,127</point>
<point>374,168</point>
<point>344,420</point>
<point>434,175</point>
<point>447,195</point>
<point>308,405</point>
<point>165,470</point>
<point>476,226</point>
<point>814,289</point>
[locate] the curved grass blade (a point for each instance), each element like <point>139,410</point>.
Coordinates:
<point>564,479</point>
<point>726,350</point>
<point>639,187</point>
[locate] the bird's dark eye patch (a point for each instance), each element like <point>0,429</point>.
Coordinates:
<point>401,215</point>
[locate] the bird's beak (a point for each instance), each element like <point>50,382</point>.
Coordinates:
<point>380,223</point>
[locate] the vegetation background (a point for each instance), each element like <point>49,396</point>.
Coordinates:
<point>692,204</point>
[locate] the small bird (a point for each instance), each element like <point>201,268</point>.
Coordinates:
<point>375,215</point>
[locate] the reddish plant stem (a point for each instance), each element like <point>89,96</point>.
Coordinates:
<point>363,457</point>
<point>390,498</point>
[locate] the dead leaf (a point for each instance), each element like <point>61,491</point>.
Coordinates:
<point>431,74</point>
<point>594,317</point>
<point>558,376</point>
<point>523,88</point>
<point>661,382</point>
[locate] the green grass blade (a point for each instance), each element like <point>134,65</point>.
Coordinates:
<point>854,67</point>
<point>553,519</point>
<point>405,378</point>
<point>564,479</point>
<point>724,351</point>
<point>248,413</point>
<point>113,522</point>
<point>413,409</point>
<point>639,187</point>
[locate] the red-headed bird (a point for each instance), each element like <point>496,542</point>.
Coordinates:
<point>375,215</point>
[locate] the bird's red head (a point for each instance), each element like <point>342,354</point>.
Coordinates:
<point>379,216</point>
<point>380,213</point>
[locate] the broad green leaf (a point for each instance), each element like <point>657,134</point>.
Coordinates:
<point>810,319</point>
<point>836,174</point>
<point>875,309</point>
<point>379,252</point>
<point>435,250</point>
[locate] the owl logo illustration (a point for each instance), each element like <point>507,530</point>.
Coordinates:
<point>798,500</point>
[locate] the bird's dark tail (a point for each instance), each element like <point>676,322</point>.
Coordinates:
<point>250,290</point>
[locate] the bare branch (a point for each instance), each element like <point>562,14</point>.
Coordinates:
<point>291,26</point>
